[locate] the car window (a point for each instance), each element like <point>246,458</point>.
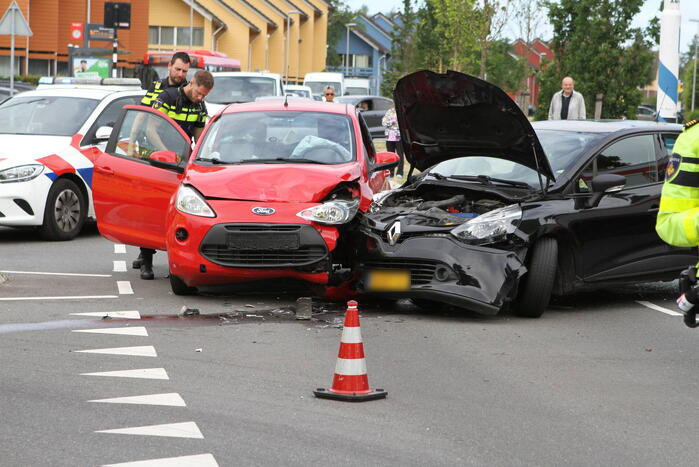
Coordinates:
<point>279,137</point>
<point>632,157</point>
<point>669,142</point>
<point>109,116</point>
<point>565,148</point>
<point>369,149</point>
<point>45,115</point>
<point>142,133</point>
<point>229,89</point>
<point>382,104</point>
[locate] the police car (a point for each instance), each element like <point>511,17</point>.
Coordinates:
<point>48,140</point>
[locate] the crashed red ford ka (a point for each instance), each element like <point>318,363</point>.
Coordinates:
<point>271,190</point>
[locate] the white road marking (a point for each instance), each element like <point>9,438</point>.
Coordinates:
<point>119,266</point>
<point>119,248</point>
<point>134,331</point>
<point>172,399</point>
<point>142,351</point>
<point>124,288</point>
<point>112,314</point>
<point>655,307</point>
<point>142,373</point>
<point>200,460</point>
<point>69,297</point>
<point>175,430</point>
<point>56,273</point>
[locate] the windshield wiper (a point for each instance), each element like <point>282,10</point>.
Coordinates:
<point>294,160</point>
<point>213,161</point>
<point>484,179</point>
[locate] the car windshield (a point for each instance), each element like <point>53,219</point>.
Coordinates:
<point>229,89</point>
<point>45,115</point>
<point>563,148</point>
<point>298,92</point>
<point>279,137</point>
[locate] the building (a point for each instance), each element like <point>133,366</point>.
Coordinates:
<point>535,53</point>
<point>281,36</point>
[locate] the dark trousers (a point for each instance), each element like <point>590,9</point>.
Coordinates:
<point>397,147</point>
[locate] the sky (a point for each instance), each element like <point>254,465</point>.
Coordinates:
<point>688,9</point>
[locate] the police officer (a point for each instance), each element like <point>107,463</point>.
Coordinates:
<point>176,76</point>
<point>678,217</point>
<point>185,105</point>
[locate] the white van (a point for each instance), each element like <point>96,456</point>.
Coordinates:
<point>241,86</point>
<point>357,87</point>
<point>298,90</point>
<point>319,81</point>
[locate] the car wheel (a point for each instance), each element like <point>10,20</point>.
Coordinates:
<point>65,211</point>
<point>179,287</point>
<point>535,292</point>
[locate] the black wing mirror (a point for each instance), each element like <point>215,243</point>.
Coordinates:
<point>601,185</point>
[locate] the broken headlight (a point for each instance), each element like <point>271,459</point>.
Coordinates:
<point>331,212</point>
<point>489,226</point>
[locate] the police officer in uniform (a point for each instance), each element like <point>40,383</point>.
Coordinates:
<point>185,105</point>
<point>176,76</point>
<point>678,217</point>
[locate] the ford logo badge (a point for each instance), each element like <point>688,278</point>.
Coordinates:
<point>262,211</point>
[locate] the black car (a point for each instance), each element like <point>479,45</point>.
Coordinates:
<point>504,214</point>
<point>372,109</point>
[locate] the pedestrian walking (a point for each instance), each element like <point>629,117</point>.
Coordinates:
<point>567,104</point>
<point>393,142</point>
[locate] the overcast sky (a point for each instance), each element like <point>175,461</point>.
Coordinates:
<point>689,9</point>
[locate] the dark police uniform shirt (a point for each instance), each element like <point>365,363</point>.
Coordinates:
<point>174,103</point>
<point>156,87</point>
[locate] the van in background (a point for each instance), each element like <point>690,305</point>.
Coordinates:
<point>241,86</point>
<point>319,81</point>
<point>356,87</point>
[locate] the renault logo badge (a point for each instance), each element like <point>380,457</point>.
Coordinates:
<point>394,233</point>
<point>263,211</point>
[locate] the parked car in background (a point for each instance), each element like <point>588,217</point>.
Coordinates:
<point>503,214</point>
<point>356,87</point>
<point>372,108</point>
<point>271,191</point>
<point>319,81</point>
<point>48,141</point>
<point>234,87</point>
<point>298,91</point>
<point>645,112</point>
<point>18,87</point>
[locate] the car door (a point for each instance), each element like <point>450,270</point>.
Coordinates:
<point>90,145</point>
<point>377,178</point>
<point>131,191</point>
<point>617,239</point>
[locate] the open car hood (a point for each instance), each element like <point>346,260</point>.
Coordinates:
<point>450,115</point>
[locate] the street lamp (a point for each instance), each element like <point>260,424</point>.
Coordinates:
<point>348,26</point>
<point>286,55</point>
<point>694,79</point>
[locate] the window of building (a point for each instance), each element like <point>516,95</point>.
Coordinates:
<point>153,35</point>
<point>169,35</point>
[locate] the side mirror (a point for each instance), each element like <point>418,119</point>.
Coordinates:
<point>604,184</point>
<point>385,160</point>
<point>103,133</point>
<point>165,160</point>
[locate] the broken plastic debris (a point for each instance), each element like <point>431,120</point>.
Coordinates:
<point>249,305</point>
<point>184,311</point>
<point>197,350</point>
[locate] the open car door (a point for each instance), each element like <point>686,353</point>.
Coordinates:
<point>137,175</point>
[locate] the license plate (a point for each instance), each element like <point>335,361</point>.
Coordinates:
<point>388,281</point>
<point>263,241</point>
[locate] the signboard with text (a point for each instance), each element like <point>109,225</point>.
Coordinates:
<point>97,32</point>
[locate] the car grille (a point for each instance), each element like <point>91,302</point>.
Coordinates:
<point>421,271</point>
<point>263,245</point>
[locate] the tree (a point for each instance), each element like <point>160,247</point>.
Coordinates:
<point>491,19</point>
<point>687,76</point>
<point>504,69</point>
<point>403,60</point>
<point>339,15</point>
<point>595,44</point>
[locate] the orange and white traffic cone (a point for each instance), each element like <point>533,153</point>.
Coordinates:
<point>350,382</point>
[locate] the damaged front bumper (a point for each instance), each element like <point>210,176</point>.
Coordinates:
<point>441,269</point>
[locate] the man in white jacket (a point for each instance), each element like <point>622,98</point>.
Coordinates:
<point>567,104</point>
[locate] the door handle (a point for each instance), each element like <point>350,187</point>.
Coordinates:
<point>104,170</point>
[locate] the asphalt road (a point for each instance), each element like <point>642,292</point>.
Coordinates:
<point>600,379</point>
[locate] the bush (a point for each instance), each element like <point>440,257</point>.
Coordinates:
<point>30,79</point>
<point>689,116</point>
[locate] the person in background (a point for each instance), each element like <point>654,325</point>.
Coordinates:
<point>329,94</point>
<point>567,104</point>
<point>393,142</point>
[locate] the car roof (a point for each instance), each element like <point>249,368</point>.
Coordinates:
<point>246,74</point>
<point>305,105</point>
<point>604,126</point>
<point>87,93</point>
<point>356,98</point>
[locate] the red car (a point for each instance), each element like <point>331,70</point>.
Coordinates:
<point>271,190</point>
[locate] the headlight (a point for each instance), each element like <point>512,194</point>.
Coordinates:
<point>332,212</point>
<point>191,202</point>
<point>21,173</point>
<point>490,225</point>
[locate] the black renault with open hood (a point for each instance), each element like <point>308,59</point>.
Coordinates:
<point>485,226</point>
<point>444,116</point>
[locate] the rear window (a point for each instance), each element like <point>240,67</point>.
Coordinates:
<point>45,115</point>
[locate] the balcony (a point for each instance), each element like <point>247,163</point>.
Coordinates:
<point>355,72</point>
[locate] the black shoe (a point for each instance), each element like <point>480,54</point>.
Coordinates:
<point>138,262</point>
<point>147,272</point>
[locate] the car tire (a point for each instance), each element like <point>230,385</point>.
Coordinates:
<point>65,212</point>
<point>179,287</point>
<point>535,292</point>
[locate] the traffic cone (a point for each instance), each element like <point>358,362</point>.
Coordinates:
<point>350,382</point>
